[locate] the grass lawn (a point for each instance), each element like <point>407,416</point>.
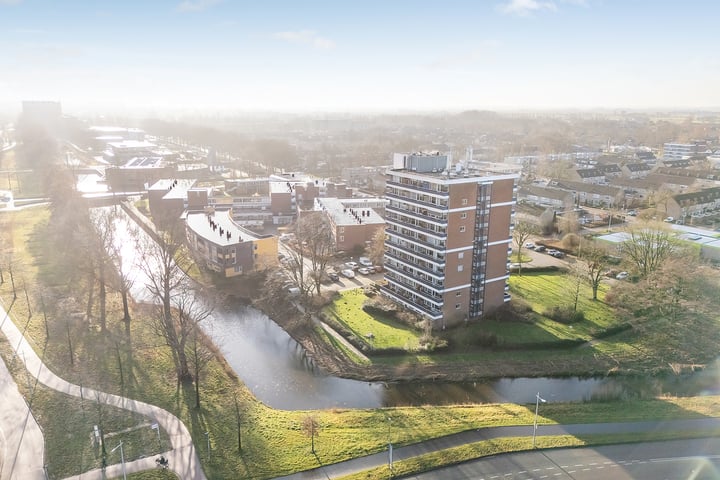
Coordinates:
<point>544,290</point>
<point>347,310</point>
<point>515,258</point>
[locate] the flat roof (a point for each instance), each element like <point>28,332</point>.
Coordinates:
<point>342,213</point>
<point>132,144</point>
<point>199,222</point>
<point>696,235</point>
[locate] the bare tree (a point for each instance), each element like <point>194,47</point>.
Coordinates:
<point>596,260</point>
<point>521,233</point>
<point>569,223</point>
<point>200,351</point>
<point>311,427</point>
<point>162,260</point>
<point>121,280</point>
<point>648,245</point>
<point>377,247</point>
<point>315,237</point>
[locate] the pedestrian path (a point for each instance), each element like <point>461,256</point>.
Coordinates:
<point>360,464</point>
<point>22,446</point>
<point>183,457</point>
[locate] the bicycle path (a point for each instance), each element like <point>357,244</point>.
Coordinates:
<point>183,457</point>
<point>360,464</point>
<point>22,445</point>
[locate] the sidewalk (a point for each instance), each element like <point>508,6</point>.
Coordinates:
<point>401,453</point>
<point>183,457</point>
<point>22,446</point>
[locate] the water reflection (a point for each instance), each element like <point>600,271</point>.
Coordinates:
<point>279,372</point>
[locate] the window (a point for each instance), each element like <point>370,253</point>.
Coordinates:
<point>463,215</point>
<point>457,306</point>
<point>342,229</point>
<point>464,201</point>
<point>461,255</point>
<point>460,268</point>
<point>462,228</point>
<point>458,294</point>
<point>342,238</point>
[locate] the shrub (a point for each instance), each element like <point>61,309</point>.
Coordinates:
<point>565,315</point>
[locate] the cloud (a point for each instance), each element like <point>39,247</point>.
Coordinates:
<point>194,5</point>
<point>305,37</point>
<point>524,8</point>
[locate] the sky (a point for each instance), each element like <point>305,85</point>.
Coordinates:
<point>362,55</point>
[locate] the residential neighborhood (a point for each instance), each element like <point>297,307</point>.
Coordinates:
<point>324,240</point>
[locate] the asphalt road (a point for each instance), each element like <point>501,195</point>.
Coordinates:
<point>672,460</point>
<point>22,446</point>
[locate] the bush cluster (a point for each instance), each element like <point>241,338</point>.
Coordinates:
<point>566,315</point>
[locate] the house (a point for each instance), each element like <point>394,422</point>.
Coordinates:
<point>588,175</point>
<point>591,194</point>
<point>636,170</point>
<point>554,198</point>
<point>693,203</point>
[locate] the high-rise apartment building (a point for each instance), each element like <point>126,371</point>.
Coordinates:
<point>448,237</point>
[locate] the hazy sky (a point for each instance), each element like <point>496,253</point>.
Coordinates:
<point>362,54</point>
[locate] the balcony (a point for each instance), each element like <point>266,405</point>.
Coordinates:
<point>409,279</point>
<point>415,201</point>
<point>418,188</point>
<point>411,263</point>
<point>394,221</point>
<point>440,220</point>
<point>392,250</point>
<point>431,246</point>
<point>433,314</point>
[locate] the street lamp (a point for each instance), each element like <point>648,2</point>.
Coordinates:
<point>538,399</point>
<point>122,458</point>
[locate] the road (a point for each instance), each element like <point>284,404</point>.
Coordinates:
<point>22,447</point>
<point>672,460</point>
<point>488,434</point>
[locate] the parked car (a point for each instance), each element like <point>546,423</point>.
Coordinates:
<point>530,246</point>
<point>351,265</point>
<point>365,270</point>
<point>552,251</point>
<point>622,275</point>
<point>365,262</point>
<point>333,276</point>
<point>632,213</point>
<point>540,248</point>
<point>348,273</point>
<point>378,268</point>
<point>558,254</point>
